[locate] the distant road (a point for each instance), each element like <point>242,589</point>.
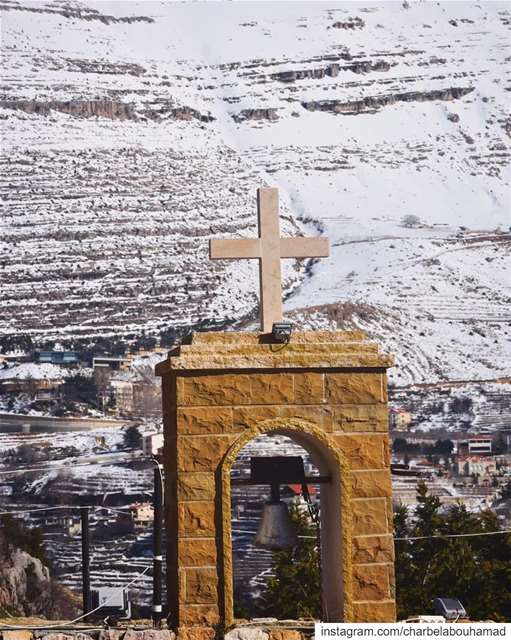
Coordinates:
<point>17,422</point>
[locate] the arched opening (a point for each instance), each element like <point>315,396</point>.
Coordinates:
<point>253,564</point>
<point>323,458</point>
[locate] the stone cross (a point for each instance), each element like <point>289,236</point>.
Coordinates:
<point>269,248</point>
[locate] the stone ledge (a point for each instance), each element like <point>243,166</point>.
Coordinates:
<point>306,350</point>
<point>276,361</point>
<point>256,337</point>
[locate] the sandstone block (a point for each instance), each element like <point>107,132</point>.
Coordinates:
<point>374,611</point>
<point>249,417</point>
<point>309,388</point>
<point>373,549</point>
<point>386,450</point>
<point>363,451</point>
<point>197,553</point>
<point>371,582</point>
<point>271,388</point>
<point>196,486</point>
<point>354,418</point>
<point>204,420</point>
<point>370,517</point>
<point>354,388</point>
<point>318,415</point>
<point>371,484</point>
<point>178,390</point>
<point>201,586</point>
<point>392,581</point>
<point>196,633</point>
<point>222,389</point>
<point>197,453</point>
<point>390,514</point>
<point>197,519</point>
<point>385,390</point>
<point>199,614</point>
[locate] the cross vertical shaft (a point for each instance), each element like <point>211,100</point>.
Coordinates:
<point>269,262</point>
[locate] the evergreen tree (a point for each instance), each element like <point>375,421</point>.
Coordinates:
<point>474,569</point>
<point>505,492</point>
<point>132,438</point>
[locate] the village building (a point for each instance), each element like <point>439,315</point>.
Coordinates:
<point>480,445</point>
<point>65,358</point>
<point>142,513</point>
<point>122,392</point>
<point>476,465</point>
<point>15,357</point>
<point>399,419</point>
<point>152,443</point>
<point>105,367</point>
<point>135,396</point>
<point>41,382</point>
<point>130,382</point>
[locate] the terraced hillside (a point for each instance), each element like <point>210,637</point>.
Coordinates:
<point>133,132</point>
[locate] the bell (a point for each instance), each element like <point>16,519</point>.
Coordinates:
<point>276,530</point>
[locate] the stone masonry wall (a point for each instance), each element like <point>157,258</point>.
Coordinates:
<point>266,631</point>
<point>205,413</point>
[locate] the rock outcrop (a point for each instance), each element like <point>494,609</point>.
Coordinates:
<point>76,12</point>
<point>26,588</point>
<point>23,582</point>
<point>332,70</point>
<point>256,114</point>
<point>372,104</point>
<point>80,108</point>
<point>111,109</point>
<point>350,24</point>
<point>105,67</point>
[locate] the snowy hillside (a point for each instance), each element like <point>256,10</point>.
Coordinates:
<point>135,131</point>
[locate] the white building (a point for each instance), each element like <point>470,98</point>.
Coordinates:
<point>152,443</point>
<point>142,512</point>
<point>476,465</point>
<point>479,446</point>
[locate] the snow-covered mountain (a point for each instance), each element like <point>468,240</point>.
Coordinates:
<point>135,131</point>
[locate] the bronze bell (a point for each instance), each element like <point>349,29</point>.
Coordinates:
<point>276,530</point>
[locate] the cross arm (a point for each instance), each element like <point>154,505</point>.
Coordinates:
<point>242,248</point>
<point>304,248</point>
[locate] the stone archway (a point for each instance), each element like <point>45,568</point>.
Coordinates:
<point>328,391</point>
<point>336,524</point>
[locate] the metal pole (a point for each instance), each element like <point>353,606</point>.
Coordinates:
<point>84,514</point>
<point>157,555</point>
